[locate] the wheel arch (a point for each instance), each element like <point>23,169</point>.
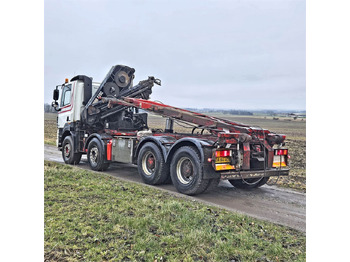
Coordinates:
<point>99,137</point>
<point>65,133</point>
<point>196,143</point>
<point>88,140</point>
<point>157,140</point>
<point>69,130</point>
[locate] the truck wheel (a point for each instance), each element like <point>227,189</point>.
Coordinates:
<point>151,165</point>
<point>95,155</point>
<point>186,172</point>
<point>239,183</point>
<point>68,154</point>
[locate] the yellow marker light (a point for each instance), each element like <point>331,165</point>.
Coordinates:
<point>279,161</point>
<point>279,164</point>
<point>66,81</point>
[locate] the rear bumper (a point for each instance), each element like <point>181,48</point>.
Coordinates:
<point>254,173</point>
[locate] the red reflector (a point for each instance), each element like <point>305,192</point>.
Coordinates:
<point>222,153</point>
<point>281,152</point>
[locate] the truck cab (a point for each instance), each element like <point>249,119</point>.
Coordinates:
<point>71,100</point>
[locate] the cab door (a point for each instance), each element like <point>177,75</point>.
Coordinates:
<point>65,115</point>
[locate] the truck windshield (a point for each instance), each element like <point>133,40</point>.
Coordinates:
<point>66,95</point>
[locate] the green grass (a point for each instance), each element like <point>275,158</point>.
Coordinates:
<point>93,217</point>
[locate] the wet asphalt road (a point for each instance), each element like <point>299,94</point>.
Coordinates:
<point>270,203</point>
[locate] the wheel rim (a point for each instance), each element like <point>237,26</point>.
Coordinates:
<point>148,163</point>
<point>93,155</point>
<point>67,150</point>
<point>184,170</point>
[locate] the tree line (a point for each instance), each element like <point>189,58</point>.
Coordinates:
<point>49,109</point>
<point>223,111</point>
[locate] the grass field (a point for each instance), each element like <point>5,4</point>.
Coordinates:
<point>50,128</point>
<point>295,130</point>
<point>92,217</point>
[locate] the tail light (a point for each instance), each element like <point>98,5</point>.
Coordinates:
<point>281,157</point>
<point>223,153</point>
<point>281,152</point>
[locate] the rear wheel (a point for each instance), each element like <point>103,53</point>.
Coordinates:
<point>151,165</point>
<point>95,156</point>
<point>186,172</point>
<point>68,154</point>
<point>252,183</point>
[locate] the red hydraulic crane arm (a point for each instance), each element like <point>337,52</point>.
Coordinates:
<point>223,128</point>
<point>182,114</point>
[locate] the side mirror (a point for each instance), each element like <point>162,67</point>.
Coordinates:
<point>54,104</point>
<point>56,94</point>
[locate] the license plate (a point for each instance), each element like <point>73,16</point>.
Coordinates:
<point>223,167</point>
<point>222,160</point>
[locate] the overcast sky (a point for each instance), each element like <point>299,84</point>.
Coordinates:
<point>213,54</point>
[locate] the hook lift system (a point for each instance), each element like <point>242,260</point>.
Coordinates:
<point>108,122</point>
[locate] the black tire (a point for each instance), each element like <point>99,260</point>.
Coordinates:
<point>186,172</point>
<point>95,155</point>
<point>68,154</point>
<point>151,165</point>
<point>239,183</point>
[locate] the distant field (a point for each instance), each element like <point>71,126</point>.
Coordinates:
<point>295,130</point>
<point>50,128</point>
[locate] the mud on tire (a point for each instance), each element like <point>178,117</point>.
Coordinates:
<point>95,155</point>
<point>151,165</point>
<point>186,172</point>
<point>68,154</point>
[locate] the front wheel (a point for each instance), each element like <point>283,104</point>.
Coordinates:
<point>68,154</point>
<point>252,183</point>
<point>95,156</point>
<point>186,172</point>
